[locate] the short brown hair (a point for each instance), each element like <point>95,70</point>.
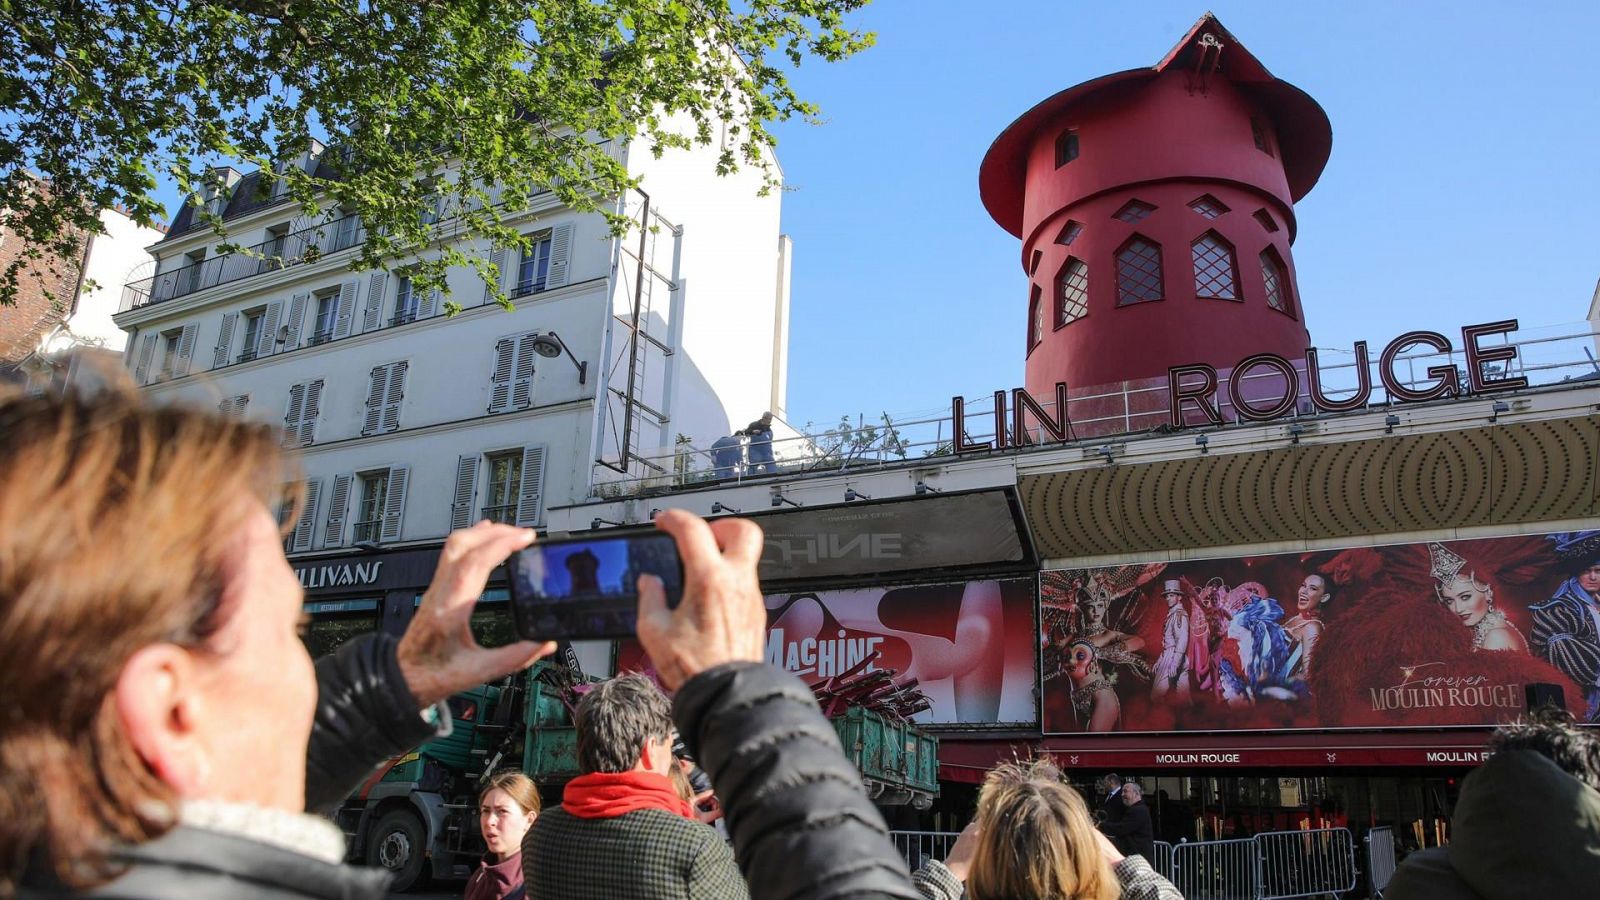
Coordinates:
<point>615,720</point>
<point>517,786</point>
<point>1035,839</point>
<point>111,510</point>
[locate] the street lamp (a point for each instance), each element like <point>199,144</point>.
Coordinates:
<point>550,345</point>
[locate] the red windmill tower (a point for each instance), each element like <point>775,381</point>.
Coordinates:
<point>1156,212</point>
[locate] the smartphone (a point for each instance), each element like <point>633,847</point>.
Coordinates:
<point>582,588</point>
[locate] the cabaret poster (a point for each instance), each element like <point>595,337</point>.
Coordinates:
<point>942,654</point>
<point>1422,635</point>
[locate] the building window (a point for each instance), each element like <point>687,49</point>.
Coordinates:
<point>369,514</point>
<point>193,266</point>
<point>1214,268</point>
<point>1258,132</point>
<point>1033,264</point>
<point>405,302</point>
<point>533,270</point>
<point>1266,220</point>
<point>1134,211</point>
<point>1035,318</point>
<point>1069,233</point>
<point>1276,278</point>
<point>1139,272</point>
<point>505,482</point>
<point>1066,147</point>
<point>347,231</point>
<point>1208,206</point>
<point>170,342</point>
<point>1072,291</point>
<point>327,316</point>
<point>277,241</point>
<point>252,334</point>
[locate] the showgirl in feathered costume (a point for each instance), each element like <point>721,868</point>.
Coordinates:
<point>1263,654</point>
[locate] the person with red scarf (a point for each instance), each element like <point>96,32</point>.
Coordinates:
<point>623,829</point>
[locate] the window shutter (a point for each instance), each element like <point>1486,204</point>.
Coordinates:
<point>297,318</point>
<point>308,416</point>
<point>347,307</point>
<point>394,505</point>
<point>293,415</point>
<point>522,385</point>
<point>430,303</point>
<point>234,407</point>
<point>333,534</point>
<point>269,329</point>
<point>392,397</point>
<point>300,538</point>
<point>497,258</point>
<point>466,487</point>
<point>146,353</point>
<point>560,250</point>
<point>180,366</point>
<point>375,390</point>
<point>531,491</point>
<point>500,378</point>
<point>219,357</point>
<point>375,288</point>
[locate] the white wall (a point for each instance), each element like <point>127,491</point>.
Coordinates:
<point>728,269</point>
<point>112,257</point>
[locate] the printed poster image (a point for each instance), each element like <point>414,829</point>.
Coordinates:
<point>969,645</point>
<point>1422,635</point>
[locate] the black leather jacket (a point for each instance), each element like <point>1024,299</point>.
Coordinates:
<point>365,714</point>
<point>801,822</point>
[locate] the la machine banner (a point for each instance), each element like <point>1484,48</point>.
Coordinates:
<point>969,645</point>
<point>1423,635</point>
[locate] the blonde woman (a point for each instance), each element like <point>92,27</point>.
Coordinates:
<point>1033,838</point>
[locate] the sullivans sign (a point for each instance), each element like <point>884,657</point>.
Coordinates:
<point>1197,385</point>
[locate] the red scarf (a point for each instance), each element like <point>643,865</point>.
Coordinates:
<point>606,795</point>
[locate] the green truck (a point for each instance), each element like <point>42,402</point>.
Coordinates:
<point>416,814</point>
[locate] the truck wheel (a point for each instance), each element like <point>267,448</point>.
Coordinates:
<point>399,844</point>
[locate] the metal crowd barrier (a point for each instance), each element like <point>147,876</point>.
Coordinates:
<point>920,846</point>
<point>1216,870</point>
<point>1163,861</point>
<point>1380,858</point>
<point>1275,865</point>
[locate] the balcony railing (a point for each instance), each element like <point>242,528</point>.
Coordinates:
<point>281,252</point>
<point>369,531</point>
<point>506,513</point>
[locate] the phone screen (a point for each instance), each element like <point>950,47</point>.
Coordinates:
<point>587,587</point>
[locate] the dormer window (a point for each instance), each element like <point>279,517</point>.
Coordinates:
<point>1133,212</point>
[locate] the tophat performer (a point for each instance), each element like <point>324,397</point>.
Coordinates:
<point>1566,628</point>
<point>1173,665</point>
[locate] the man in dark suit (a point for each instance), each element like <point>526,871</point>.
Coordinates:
<point>1133,833</point>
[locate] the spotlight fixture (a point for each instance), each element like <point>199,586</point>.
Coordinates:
<point>1499,407</point>
<point>1389,422</point>
<point>1202,441</point>
<point>779,500</point>
<point>851,494</point>
<point>1108,453</point>
<point>922,487</point>
<point>720,507</point>
<point>596,522</point>
<point>654,513</point>
<point>1295,430</point>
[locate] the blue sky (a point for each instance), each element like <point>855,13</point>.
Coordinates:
<point>1463,187</point>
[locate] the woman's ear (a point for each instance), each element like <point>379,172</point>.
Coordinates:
<point>156,703</point>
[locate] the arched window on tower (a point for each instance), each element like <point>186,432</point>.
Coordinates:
<point>1066,147</point>
<point>1035,318</point>
<point>1072,291</point>
<point>1215,272</point>
<point>1275,275</point>
<point>1139,271</point>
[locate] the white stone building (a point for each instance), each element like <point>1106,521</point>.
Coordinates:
<point>411,423</point>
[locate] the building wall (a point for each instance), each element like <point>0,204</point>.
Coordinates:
<point>42,302</point>
<point>122,251</point>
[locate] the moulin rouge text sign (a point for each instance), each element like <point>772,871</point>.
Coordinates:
<point>1197,386</point>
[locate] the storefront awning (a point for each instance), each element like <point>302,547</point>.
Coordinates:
<point>967,761</point>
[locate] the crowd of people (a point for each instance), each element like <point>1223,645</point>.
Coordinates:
<point>148,644</point>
